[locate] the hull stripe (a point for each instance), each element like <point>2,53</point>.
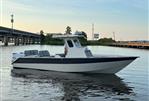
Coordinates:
<point>71,60</point>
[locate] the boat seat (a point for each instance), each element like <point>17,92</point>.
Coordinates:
<point>30,52</point>
<point>61,55</point>
<point>44,53</point>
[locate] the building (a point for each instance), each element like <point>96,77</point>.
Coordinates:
<point>96,36</point>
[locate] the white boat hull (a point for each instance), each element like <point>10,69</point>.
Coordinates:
<point>101,67</point>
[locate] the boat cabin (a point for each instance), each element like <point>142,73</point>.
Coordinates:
<point>73,48</point>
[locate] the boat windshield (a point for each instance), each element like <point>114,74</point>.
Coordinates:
<point>70,44</point>
<point>77,43</point>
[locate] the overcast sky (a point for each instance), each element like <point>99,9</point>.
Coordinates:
<point>127,18</point>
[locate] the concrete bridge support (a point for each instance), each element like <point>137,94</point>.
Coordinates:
<point>27,40</point>
<point>5,40</point>
<point>23,41</point>
<point>16,41</point>
<point>34,40</point>
<point>30,40</point>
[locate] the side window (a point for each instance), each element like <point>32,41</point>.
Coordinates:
<point>70,44</point>
<point>76,42</point>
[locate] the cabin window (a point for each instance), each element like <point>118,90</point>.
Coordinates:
<point>88,53</point>
<point>70,44</point>
<point>77,43</point>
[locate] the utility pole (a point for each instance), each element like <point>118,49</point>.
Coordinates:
<point>12,21</point>
<point>12,31</point>
<point>114,35</point>
<point>93,31</point>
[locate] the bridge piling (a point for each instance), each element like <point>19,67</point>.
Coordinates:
<point>23,40</point>
<point>5,41</point>
<point>16,41</point>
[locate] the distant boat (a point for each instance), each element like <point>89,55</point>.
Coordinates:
<point>74,59</point>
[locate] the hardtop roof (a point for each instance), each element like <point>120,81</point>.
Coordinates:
<point>66,36</point>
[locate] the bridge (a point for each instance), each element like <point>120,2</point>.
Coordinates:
<point>9,35</point>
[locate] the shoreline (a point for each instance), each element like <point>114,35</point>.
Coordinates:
<point>110,45</point>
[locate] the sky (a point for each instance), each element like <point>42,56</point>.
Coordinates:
<point>127,18</point>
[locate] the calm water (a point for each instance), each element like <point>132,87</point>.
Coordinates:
<point>130,84</point>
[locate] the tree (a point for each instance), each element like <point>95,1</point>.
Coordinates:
<point>42,37</point>
<point>106,40</point>
<point>68,30</point>
<point>41,32</point>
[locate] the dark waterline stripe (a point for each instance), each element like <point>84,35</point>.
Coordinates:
<point>71,60</point>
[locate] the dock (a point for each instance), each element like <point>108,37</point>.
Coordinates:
<point>132,44</point>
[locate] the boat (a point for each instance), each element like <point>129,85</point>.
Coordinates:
<point>75,59</point>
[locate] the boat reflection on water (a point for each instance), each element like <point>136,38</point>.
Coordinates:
<point>77,86</point>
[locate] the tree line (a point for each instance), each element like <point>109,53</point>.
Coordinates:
<point>48,40</point>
